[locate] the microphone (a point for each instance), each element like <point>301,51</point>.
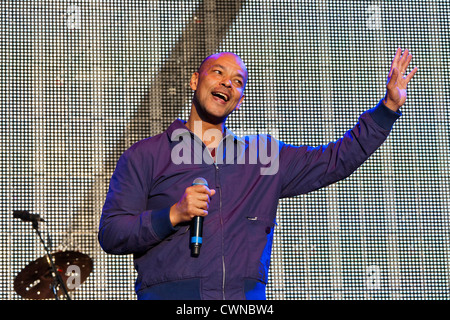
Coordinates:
<point>26,216</point>
<point>197,226</point>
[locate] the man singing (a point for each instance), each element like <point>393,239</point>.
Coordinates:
<point>152,199</point>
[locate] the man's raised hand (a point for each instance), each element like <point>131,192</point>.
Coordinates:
<point>397,81</point>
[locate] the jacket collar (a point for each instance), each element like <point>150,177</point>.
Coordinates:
<point>178,128</point>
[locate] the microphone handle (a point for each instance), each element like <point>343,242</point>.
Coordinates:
<point>197,226</point>
<point>196,236</point>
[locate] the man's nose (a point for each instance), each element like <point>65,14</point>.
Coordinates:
<point>226,82</point>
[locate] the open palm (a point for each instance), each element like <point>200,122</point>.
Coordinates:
<point>396,83</point>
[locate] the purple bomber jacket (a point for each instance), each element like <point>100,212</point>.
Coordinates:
<point>250,174</point>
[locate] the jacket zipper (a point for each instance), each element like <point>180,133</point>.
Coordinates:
<point>221,225</point>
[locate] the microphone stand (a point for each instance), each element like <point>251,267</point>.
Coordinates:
<point>57,280</point>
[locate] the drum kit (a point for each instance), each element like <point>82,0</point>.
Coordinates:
<point>54,274</point>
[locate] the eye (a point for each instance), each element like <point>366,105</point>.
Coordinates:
<point>218,71</point>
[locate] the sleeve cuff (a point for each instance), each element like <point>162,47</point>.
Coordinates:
<point>384,116</point>
<point>161,223</point>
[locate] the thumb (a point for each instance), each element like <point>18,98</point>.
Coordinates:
<point>213,192</point>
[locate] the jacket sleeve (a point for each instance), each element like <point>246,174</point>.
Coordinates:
<point>305,168</point>
<point>125,225</point>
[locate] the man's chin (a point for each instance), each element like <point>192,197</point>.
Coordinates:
<point>213,114</point>
<point>215,119</point>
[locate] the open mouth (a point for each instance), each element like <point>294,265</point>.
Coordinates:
<point>221,96</point>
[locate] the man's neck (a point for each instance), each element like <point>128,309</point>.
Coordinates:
<point>210,134</point>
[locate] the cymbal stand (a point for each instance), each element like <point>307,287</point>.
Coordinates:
<point>57,280</point>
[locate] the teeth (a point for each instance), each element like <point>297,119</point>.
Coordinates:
<point>224,97</point>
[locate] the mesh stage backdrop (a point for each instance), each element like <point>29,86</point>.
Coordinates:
<point>83,80</point>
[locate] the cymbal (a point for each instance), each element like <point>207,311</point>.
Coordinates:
<point>35,280</point>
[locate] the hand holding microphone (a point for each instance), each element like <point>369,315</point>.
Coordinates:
<point>193,206</point>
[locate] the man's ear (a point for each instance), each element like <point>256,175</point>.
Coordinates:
<point>240,102</point>
<point>194,81</point>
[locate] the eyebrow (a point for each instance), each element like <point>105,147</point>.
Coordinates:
<point>239,74</point>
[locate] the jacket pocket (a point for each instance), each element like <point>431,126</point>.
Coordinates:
<point>259,243</point>
<point>257,223</point>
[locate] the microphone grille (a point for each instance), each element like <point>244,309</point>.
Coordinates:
<point>201,181</point>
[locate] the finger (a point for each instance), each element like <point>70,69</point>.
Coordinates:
<point>208,191</point>
<point>393,79</point>
<point>403,58</point>
<point>405,64</point>
<point>198,213</point>
<point>201,189</point>
<point>411,74</point>
<point>406,59</point>
<point>395,60</point>
<point>202,212</point>
<point>198,208</point>
<point>204,197</point>
<point>203,205</point>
